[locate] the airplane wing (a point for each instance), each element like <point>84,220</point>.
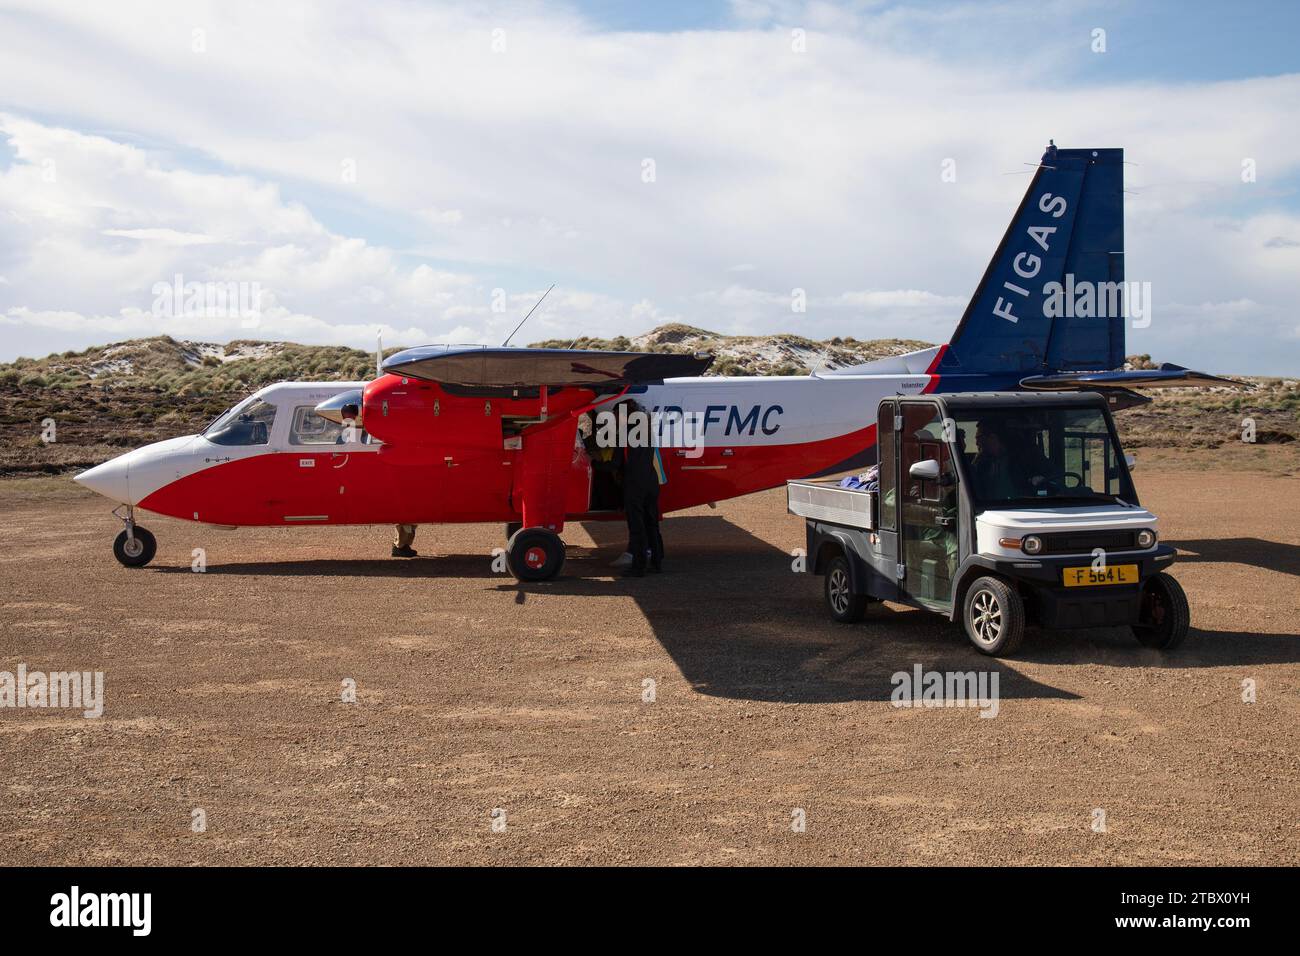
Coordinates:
<point>1166,376</point>
<point>519,367</point>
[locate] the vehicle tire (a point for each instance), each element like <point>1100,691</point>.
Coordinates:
<point>138,553</point>
<point>511,528</point>
<point>994,617</point>
<point>845,606</point>
<point>1164,614</point>
<point>535,554</point>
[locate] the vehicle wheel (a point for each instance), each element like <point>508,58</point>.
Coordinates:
<point>1164,615</point>
<point>535,554</point>
<point>845,606</point>
<point>994,617</point>
<point>511,528</point>
<point>137,553</point>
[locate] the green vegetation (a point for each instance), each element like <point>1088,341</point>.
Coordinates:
<point>188,369</point>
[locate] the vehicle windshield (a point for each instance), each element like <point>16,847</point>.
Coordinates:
<point>248,423</point>
<point>1023,457</point>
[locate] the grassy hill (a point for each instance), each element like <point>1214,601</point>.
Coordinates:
<point>110,398</point>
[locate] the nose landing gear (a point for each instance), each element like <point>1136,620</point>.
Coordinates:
<point>135,546</point>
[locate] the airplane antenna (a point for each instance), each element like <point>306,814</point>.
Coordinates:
<point>379,353</point>
<point>525,318</point>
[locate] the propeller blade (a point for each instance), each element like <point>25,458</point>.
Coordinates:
<point>342,408</point>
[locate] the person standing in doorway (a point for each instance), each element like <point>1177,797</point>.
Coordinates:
<point>641,478</point>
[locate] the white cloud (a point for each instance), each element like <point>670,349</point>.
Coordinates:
<point>478,169</point>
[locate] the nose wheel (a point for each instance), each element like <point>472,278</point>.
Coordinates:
<point>135,546</point>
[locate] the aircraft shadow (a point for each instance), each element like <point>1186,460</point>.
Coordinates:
<point>433,566</point>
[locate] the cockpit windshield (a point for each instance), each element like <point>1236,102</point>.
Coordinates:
<point>248,423</point>
<point>1023,457</point>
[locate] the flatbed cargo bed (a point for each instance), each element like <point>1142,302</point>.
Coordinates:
<point>822,499</point>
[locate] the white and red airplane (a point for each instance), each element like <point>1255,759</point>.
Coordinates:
<point>490,434</point>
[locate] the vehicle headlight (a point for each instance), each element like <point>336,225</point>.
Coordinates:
<point>1031,544</point>
<point>1146,538</point>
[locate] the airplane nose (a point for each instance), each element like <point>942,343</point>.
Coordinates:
<point>108,479</point>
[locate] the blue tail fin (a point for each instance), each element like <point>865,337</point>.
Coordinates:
<point>1069,229</point>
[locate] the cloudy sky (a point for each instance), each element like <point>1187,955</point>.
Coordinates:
<point>429,169</point>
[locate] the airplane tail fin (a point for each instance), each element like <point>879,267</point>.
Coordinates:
<point>1069,230</point>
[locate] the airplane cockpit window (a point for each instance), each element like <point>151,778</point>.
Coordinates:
<point>248,423</point>
<point>310,429</point>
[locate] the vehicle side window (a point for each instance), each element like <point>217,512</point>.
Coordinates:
<point>885,449</point>
<point>921,441</point>
<point>247,425</point>
<point>1089,452</point>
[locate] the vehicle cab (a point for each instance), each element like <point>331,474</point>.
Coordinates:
<point>998,509</point>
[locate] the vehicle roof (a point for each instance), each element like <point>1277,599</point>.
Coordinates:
<point>958,400</point>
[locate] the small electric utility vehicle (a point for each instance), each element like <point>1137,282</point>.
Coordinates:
<point>1000,509</point>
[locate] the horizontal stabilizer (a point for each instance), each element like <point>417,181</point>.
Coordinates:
<point>1166,376</point>
<point>554,368</point>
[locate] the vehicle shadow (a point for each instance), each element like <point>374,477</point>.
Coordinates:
<point>1256,552</point>
<point>740,623</point>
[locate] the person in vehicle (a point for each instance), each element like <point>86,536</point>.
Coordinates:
<point>992,467</point>
<point>641,472</point>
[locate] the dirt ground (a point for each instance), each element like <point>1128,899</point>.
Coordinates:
<point>223,693</point>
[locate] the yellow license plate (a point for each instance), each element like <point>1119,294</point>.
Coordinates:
<point>1111,574</point>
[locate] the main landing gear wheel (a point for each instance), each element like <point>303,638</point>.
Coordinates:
<point>135,551</point>
<point>535,554</point>
<point>1164,616</point>
<point>845,606</point>
<point>994,617</point>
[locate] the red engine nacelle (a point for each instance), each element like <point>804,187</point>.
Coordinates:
<point>401,411</point>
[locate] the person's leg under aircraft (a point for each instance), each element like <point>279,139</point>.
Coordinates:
<point>402,543</point>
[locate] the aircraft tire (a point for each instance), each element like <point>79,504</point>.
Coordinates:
<point>535,554</point>
<point>139,553</point>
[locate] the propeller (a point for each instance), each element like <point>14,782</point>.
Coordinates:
<point>342,408</point>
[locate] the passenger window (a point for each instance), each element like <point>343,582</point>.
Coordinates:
<point>310,429</point>
<point>247,424</point>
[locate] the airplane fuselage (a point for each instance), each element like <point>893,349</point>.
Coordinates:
<point>462,466</point>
